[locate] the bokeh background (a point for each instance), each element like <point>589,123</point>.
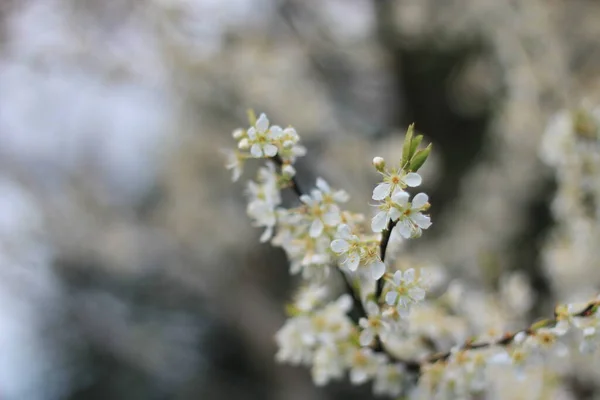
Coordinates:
<point>128,269</point>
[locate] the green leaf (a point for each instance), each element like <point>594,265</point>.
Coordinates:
<point>414,145</point>
<point>542,324</point>
<point>407,142</point>
<point>419,159</point>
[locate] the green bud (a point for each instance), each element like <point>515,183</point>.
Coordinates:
<point>407,144</point>
<point>251,117</point>
<point>419,159</point>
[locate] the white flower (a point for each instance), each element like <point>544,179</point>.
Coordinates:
<point>394,180</point>
<point>372,261</point>
<point>261,138</point>
<point>328,364</point>
<point>235,162</point>
<point>332,323</point>
<point>364,364</point>
<point>372,326</point>
<point>348,246</point>
<point>411,220</point>
<point>331,196</point>
<point>295,341</point>
<point>322,208</point>
<point>388,380</point>
<point>309,297</point>
<point>290,148</point>
<point>264,197</point>
<point>288,171</point>
<point>406,291</point>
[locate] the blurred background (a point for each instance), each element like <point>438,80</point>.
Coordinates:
<point>128,268</point>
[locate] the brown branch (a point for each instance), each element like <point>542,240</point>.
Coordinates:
<point>385,239</point>
<point>508,338</point>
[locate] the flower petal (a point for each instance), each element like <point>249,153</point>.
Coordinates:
<point>404,229</point>
<point>395,214</point>
<point>266,234</point>
<point>256,151</point>
<point>409,275</point>
<point>412,179</point>
<point>316,228</point>
<point>352,261</point>
<point>341,196</point>
<point>400,197</point>
<point>404,311</point>
<point>417,293</point>
<point>344,302</point>
<point>332,216</point>
<point>377,269</point>
<point>366,337</point>
<point>275,132</point>
<point>419,200</point>
<point>262,123</point>
<point>322,185</point>
<point>306,199</point>
<point>344,231</point>
<point>252,133</point>
<point>381,191</point>
<point>390,298</point>
<point>339,246</point>
<point>358,376</point>
<point>397,278</point>
<point>270,150</point>
<point>422,221</point>
<point>372,308</point>
<point>379,221</point>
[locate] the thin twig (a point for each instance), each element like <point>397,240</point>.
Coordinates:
<point>385,239</point>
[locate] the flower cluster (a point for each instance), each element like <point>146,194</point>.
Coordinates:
<point>389,328</point>
<point>395,207</point>
<point>319,236</point>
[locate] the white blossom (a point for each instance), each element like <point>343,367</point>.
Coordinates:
<point>295,341</point>
<point>235,162</point>
<point>348,246</point>
<point>364,364</point>
<point>389,380</point>
<point>322,208</point>
<point>393,181</point>
<point>372,326</point>
<point>262,138</point>
<point>406,290</point>
<point>410,219</point>
<point>328,364</point>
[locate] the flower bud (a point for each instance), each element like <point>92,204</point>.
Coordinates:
<point>288,171</point>
<point>238,134</point>
<point>379,163</point>
<point>244,144</point>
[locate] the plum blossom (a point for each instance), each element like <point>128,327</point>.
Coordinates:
<point>406,290</point>
<point>372,326</point>
<point>411,219</point>
<point>364,364</point>
<point>262,139</point>
<point>388,380</point>
<point>322,208</point>
<point>393,181</point>
<point>348,246</point>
